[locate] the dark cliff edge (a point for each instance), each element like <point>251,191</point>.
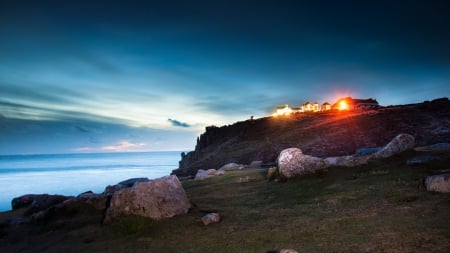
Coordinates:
<point>324,134</point>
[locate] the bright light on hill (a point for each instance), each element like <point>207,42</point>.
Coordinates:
<point>286,110</point>
<point>343,105</point>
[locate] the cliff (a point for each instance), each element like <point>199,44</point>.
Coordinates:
<point>324,134</point>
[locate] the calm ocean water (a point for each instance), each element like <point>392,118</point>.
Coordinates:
<point>72,174</point>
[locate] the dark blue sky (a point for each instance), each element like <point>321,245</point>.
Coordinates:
<point>93,75</point>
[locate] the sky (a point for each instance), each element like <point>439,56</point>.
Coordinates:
<point>112,76</point>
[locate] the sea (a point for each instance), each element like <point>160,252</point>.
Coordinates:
<point>72,174</point>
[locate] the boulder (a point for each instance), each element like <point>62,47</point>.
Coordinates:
<point>110,189</point>
<point>348,161</point>
<point>232,166</point>
<point>438,183</point>
<point>210,218</point>
<point>157,199</point>
<point>37,202</point>
<point>292,162</point>
<point>98,201</point>
<point>443,146</point>
<point>400,143</point>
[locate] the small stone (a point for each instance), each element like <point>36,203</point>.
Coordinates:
<point>287,251</point>
<point>210,218</point>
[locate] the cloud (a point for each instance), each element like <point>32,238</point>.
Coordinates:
<point>123,146</point>
<point>84,149</point>
<point>177,123</point>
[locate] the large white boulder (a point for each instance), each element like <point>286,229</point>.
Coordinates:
<point>400,143</point>
<point>157,199</point>
<point>292,163</point>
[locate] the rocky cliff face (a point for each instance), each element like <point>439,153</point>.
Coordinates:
<point>318,134</point>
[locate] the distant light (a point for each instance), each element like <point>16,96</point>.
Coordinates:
<point>286,110</point>
<point>343,105</point>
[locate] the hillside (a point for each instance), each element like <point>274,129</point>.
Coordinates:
<point>322,134</point>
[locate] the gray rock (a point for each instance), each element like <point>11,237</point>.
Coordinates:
<point>204,174</point>
<point>443,146</point>
<point>98,201</point>
<point>210,218</point>
<point>130,182</point>
<point>348,161</point>
<point>438,183</point>
<point>37,202</point>
<point>110,189</point>
<point>157,199</point>
<point>292,163</point>
<point>232,166</point>
<point>255,164</point>
<point>400,143</point>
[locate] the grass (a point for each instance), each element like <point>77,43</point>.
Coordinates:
<point>379,207</point>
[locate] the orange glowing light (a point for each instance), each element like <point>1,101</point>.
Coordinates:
<point>343,105</point>
<point>284,111</point>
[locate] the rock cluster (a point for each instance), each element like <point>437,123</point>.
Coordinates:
<point>204,174</point>
<point>37,202</point>
<point>157,199</point>
<point>292,162</point>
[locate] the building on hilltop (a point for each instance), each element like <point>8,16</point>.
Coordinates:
<point>350,103</point>
<point>283,110</point>
<point>310,107</point>
<point>343,104</point>
<point>326,107</point>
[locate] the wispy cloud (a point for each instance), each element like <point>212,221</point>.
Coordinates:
<point>84,149</point>
<point>123,146</point>
<point>177,123</point>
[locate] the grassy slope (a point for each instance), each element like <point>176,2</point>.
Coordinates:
<point>378,207</point>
